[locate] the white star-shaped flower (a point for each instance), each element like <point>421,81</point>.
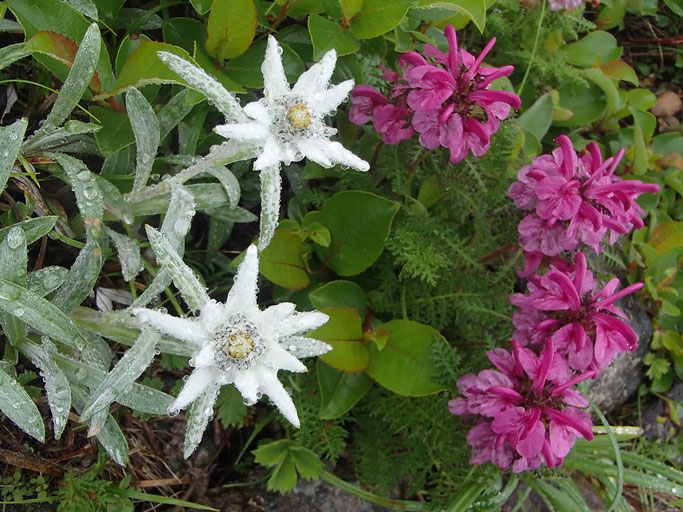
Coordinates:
<point>288,125</point>
<point>235,342</point>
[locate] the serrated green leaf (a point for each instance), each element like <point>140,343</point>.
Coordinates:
<point>230,406</point>
<point>231,28</point>
<point>146,131</point>
<point>192,290</point>
<point>339,391</point>
<point>273,452</point>
<point>39,313</point>
<point>307,463</point>
<point>18,407</point>
<point>406,353</point>
<point>127,370</point>
<point>284,477</point>
<point>12,137</point>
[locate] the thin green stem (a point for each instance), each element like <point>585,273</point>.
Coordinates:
<point>533,51</point>
<point>371,497</point>
<point>617,457</point>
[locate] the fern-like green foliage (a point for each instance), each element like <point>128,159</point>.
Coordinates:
<point>327,438</point>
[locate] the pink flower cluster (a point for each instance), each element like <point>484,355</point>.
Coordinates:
<point>568,328</point>
<point>573,200</point>
<point>445,97</point>
<point>528,410</point>
<point>566,306</point>
<point>569,5</point>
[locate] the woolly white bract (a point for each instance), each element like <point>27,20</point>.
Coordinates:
<point>237,343</point>
<point>287,124</point>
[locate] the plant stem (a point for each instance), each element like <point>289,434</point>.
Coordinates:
<point>370,497</point>
<point>226,153</point>
<point>533,51</point>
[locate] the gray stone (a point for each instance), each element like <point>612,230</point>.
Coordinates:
<point>622,378</point>
<point>307,496</point>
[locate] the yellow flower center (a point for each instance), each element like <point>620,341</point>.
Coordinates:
<point>299,117</point>
<point>239,345</point>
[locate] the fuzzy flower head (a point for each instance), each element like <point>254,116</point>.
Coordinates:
<point>574,200</point>
<point>235,342</point>
<point>287,124</point>
<point>567,306</point>
<point>528,409</point>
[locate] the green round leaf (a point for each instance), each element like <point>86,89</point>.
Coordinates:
<point>587,104</point>
<point>339,294</point>
<point>231,28</point>
<point>344,333</point>
<point>359,223</point>
<point>327,34</point>
<point>339,390</point>
<point>378,17</point>
<point>403,365</point>
<point>281,261</point>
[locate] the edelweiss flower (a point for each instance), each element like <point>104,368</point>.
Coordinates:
<point>235,342</point>
<point>288,125</point>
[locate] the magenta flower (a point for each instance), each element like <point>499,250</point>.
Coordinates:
<point>574,201</point>
<point>445,97</point>
<point>569,5</point>
<point>528,409</point>
<point>390,119</point>
<point>566,306</point>
<point>452,89</point>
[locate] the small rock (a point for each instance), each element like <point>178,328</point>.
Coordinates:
<point>668,104</point>
<point>622,378</point>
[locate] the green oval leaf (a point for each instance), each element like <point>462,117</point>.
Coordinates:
<point>344,333</point>
<point>378,17</point>
<point>346,294</point>
<point>281,262</point>
<point>403,365</point>
<point>587,104</point>
<point>231,28</point>
<point>327,35</point>
<point>339,391</point>
<point>359,223</point>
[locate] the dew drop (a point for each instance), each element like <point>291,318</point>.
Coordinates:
<point>81,374</point>
<point>18,311</point>
<point>5,153</point>
<point>83,175</point>
<point>15,238</point>
<point>90,192</point>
